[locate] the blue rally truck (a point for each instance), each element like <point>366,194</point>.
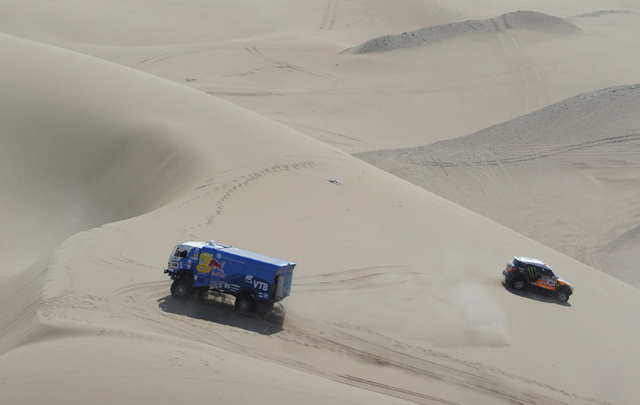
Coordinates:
<point>255,280</point>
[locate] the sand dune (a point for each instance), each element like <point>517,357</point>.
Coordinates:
<point>573,164</point>
<point>85,151</point>
<point>74,159</point>
<point>397,294</point>
<point>286,66</point>
<point>365,254</point>
<point>524,20</point>
<point>84,144</point>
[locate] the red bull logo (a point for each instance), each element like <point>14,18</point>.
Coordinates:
<point>217,268</point>
<point>214,264</point>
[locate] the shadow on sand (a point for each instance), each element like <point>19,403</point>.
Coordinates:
<point>220,310</point>
<point>536,296</point>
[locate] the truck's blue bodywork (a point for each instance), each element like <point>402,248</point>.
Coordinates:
<point>212,266</point>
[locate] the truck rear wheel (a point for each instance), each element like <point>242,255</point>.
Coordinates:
<point>245,303</point>
<point>181,289</point>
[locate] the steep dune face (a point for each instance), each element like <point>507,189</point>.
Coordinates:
<point>73,159</point>
<point>78,183</point>
<point>565,175</point>
<point>517,20</point>
<point>87,142</point>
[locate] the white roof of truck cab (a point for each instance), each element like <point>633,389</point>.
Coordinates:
<point>199,245</point>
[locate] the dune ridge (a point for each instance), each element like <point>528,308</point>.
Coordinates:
<point>601,13</point>
<point>516,20</point>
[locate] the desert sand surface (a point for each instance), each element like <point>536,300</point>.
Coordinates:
<point>130,127</point>
<point>566,175</point>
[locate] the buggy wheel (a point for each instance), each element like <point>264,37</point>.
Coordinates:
<point>519,283</point>
<point>562,295</point>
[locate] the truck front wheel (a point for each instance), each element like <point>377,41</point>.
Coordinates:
<point>245,303</point>
<point>181,289</point>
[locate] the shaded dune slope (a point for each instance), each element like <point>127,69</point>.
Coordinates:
<point>87,142</point>
<point>574,162</point>
<point>71,158</point>
<point>517,20</point>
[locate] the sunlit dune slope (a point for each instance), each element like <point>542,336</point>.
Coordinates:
<point>566,175</point>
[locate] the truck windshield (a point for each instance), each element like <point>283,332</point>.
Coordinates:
<point>179,252</point>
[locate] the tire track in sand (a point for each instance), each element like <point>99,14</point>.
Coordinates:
<point>230,187</point>
<point>143,64</point>
<point>328,22</point>
<point>419,156</point>
<point>329,16</point>
<point>334,81</point>
<point>534,98</point>
<point>366,278</point>
<point>300,340</point>
<point>364,345</point>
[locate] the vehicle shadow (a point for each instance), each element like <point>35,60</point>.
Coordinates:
<point>220,310</point>
<point>535,296</point>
